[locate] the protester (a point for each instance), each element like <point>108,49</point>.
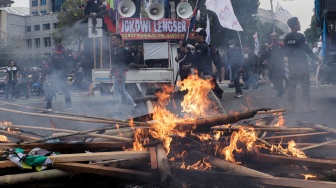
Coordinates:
<point>277,64</point>
<point>234,59</point>
<point>118,75</point>
<point>57,78</point>
<point>11,80</point>
<point>250,68</point>
<point>184,62</point>
<point>202,63</point>
<point>296,50</point>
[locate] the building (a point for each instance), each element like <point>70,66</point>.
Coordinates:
<point>266,16</point>
<point>6,3</point>
<point>40,25</point>
<point>13,21</point>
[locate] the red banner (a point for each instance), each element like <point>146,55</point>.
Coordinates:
<point>147,29</point>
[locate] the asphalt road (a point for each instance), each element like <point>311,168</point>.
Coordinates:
<point>323,99</point>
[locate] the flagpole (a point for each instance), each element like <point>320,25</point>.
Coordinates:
<point>273,25</point>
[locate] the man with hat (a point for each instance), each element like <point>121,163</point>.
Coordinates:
<point>235,59</point>
<point>277,64</point>
<point>296,50</point>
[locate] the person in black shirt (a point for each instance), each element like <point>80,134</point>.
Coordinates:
<point>235,59</point>
<point>183,61</point>
<point>118,74</point>
<point>11,79</point>
<point>57,77</point>
<point>296,50</point>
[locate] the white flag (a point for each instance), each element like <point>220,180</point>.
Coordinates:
<point>281,14</point>
<point>224,11</point>
<point>256,44</point>
<point>207,40</point>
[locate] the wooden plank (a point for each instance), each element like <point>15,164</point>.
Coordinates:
<point>163,163</point>
<point>228,179</point>
<point>284,160</point>
<point>106,171</point>
<point>153,159</point>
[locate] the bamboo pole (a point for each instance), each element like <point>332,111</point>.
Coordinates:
<point>295,135</point>
<point>272,111</point>
<point>19,136</point>
<point>124,123</point>
<point>318,145</point>
<point>69,131</point>
<point>32,176</point>
<point>82,133</point>
<point>270,129</point>
<point>71,114</point>
<point>230,167</point>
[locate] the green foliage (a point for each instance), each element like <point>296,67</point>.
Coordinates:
<point>69,27</point>
<point>11,47</point>
<point>312,34</point>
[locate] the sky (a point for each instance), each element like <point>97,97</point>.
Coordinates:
<point>303,9</point>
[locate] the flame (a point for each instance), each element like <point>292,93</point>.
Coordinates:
<point>195,104</point>
<point>306,176</point>
<point>245,136</point>
<point>218,134</point>
<point>138,144</point>
<point>281,120</point>
<point>204,137</point>
<point>3,138</point>
<point>199,165</point>
<point>12,130</point>
<point>5,123</point>
<point>291,150</point>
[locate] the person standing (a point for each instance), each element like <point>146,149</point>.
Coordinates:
<point>11,79</point>
<point>235,59</point>
<point>57,78</point>
<point>183,61</point>
<point>118,74</point>
<point>296,50</point>
<point>250,68</point>
<point>217,59</point>
<point>277,64</point>
<point>202,63</point>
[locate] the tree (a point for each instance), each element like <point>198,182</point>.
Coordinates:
<point>69,26</point>
<point>312,33</point>
<point>11,47</point>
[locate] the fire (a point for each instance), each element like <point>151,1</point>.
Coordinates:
<point>291,150</point>
<point>5,123</point>
<point>199,165</point>
<point>281,121</point>
<point>306,176</point>
<point>3,138</point>
<point>245,136</point>
<point>138,144</point>
<point>195,104</point>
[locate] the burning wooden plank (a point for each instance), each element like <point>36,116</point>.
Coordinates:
<point>163,163</point>
<point>19,135</point>
<point>270,129</point>
<point>230,167</point>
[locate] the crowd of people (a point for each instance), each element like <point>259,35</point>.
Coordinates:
<point>245,69</point>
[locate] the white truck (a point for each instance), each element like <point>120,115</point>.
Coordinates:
<point>145,79</point>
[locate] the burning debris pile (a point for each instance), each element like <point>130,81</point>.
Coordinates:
<point>186,149</point>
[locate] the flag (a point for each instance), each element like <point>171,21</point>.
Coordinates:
<point>324,39</point>
<point>111,19</point>
<point>192,22</point>
<point>256,44</point>
<point>225,13</point>
<point>281,13</point>
<point>207,40</point>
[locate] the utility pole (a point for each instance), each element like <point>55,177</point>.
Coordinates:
<point>273,24</point>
